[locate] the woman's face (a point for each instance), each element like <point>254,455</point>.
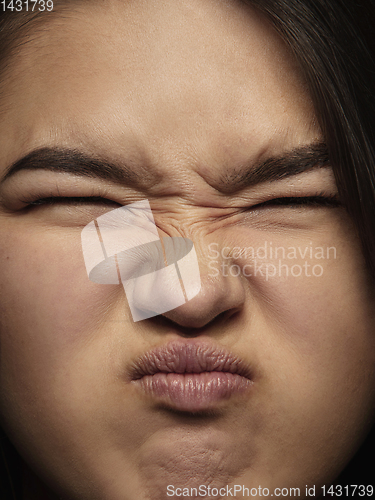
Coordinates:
<point>186,101</point>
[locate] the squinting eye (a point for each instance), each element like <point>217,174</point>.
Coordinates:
<point>67,211</point>
<point>76,200</point>
<point>287,201</point>
<point>295,201</point>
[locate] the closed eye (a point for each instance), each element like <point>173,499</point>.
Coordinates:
<point>70,200</point>
<point>298,201</point>
<point>285,201</point>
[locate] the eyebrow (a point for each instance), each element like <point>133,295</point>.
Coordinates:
<point>293,162</point>
<point>74,162</point>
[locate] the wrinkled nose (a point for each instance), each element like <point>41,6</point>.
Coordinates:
<point>188,291</point>
<point>217,295</point>
<point>169,276</point>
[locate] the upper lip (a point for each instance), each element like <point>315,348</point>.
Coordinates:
<point>188,357</point>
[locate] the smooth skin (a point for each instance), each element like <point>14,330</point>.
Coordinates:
<point>186,94</point>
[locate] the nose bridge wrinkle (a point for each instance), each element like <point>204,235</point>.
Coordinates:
<point>158,274</point>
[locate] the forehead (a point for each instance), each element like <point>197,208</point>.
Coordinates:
<point>201,82</point>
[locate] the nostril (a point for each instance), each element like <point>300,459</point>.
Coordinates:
<point>219,299</point>
<point>196,329</point>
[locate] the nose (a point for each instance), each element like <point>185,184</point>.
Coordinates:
<point>172,277</point>
<point>218,293</point>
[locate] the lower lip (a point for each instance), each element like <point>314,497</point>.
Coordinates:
<point>193,391</point>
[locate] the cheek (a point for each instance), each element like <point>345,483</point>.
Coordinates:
<point>312,291</point>
<point>314,334</point>
<point>330,316</point>
<point>59,346</point>
<point>44,280</point>
<point>49,310</point>
<point>314,342</point>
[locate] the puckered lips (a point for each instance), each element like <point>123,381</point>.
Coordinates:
<point>191,376</point>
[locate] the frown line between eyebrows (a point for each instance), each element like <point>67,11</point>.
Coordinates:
<point>290,163</point>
